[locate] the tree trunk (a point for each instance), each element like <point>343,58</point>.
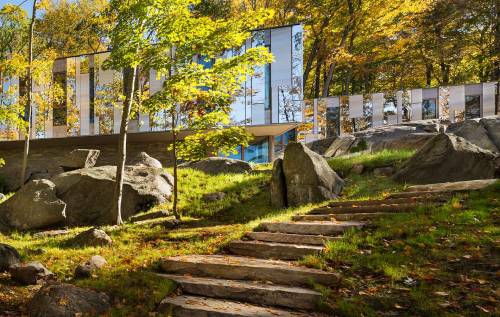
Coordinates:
<point>122,149</point>
<point>174,155</point>
<point>27,135</point>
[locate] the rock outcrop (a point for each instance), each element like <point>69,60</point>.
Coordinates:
<point>64,300</point>
<point>447,158</point>
<point>87,192</point>
<point>484,132</point>
<point>219,165</point>
<point>34,206</point>
<point>79,158</point>
<point>305,177</point>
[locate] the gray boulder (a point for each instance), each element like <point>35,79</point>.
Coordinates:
<point>308,177</point>
<point>322,145</point>
<point>278,185</point>
<point>8,257</point>
<point>34,206</point>
<point>219,165</point>
<point>212,197</point>
<point>340,146</point>
<point>145,160</point>
<point>475,132</point>
<point>79,158</point>
<point>447,158</point>
<point>66,300</point>
<point>92,238</point>
<point>88,192</point>
<point>492,126</point>
<point>30,273</point>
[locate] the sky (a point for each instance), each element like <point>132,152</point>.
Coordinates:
<point>27,5</point>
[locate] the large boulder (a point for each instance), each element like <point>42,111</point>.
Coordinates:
<point>88,192</point>
<point>79,158</point>
<point>219,165</point>
<point>492,126</point>
<point>308,177</point>
<point>322,145</point>
<point>447,158</point>
<point>278,185</point>
<point>8,257</point>
<point>34,206</point>
<point>66,300</point>
<point>475,132</point>
<point>145,160</point>
<point>340,146</point>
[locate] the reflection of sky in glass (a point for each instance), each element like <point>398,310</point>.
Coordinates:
<point>257,153</point>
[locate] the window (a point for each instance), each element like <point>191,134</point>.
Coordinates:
<point>472,107</point>
<point>60,109</point>
<point>390,109</point>
<point>429,110</point>
<point>281,141</point>
<point>236,156</point>
<point>257,152</point>
<point>332,122</point>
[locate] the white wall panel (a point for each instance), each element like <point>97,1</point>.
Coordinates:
<point>378,109</point>
<point>488,108</point>
<point>281,72</point>
<point>399,106</point>
<point>355,106</point>
<point>456,99</point>
<point>416,104</point>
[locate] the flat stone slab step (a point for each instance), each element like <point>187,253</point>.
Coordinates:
<point>422,194</point>
<point>454,186</point>
<point>365,209</point>
<point>194,306</point>
<point>273,250</point>
<point>388,201</point>
<point>342,217</point>
<point>290,238</point>
<point>325,228</point>
<point>245,268</point>
<point>248,291</point>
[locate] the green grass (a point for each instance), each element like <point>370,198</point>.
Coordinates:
<point>370,160</point>
<point>437,261</point>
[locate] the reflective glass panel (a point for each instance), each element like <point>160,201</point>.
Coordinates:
<point>472,107</point>
<point>429,110</point>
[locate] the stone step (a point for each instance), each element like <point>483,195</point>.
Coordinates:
<point>273,250</point>
<point>387,201</point>
<point>325,228</point>
<point>248,291</point>
<point>365,209</point>
<point>342,217</point>
<point>422,194</point>
<point>244,268</point>
<point>195,306</point>
<point>290,238</point>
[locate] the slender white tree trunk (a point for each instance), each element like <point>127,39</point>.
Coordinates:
<point>174,154</point>
<point>27,135</point>
<point>122,149</point>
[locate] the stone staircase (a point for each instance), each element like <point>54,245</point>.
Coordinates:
<point>260,278</point>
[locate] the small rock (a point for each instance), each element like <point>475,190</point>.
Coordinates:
<point>171,223</point>
<point>144,159</point>
<point>50,233</point>
<point>30,273</point>
<point>64,300</point>
<point>2,197</point>
<point>211,197</point>
<point>79,158</point>
<point>384,171</point>
<point>357,169</point>
<point>93,237</point>
<point>8,257</point>
<point>85,270</point>
<point>37,251</point>
<point>219,165</point>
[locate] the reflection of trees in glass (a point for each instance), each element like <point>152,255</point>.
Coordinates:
<point>321,117</point>
<point>73,111</point>
<point>390,108</point>
<point>472,107</point>
<point>332,121</point>
<point>346,123</point>
<point>444,105</point>
<point>107,98</point>
<point>406,106</point>
<point>290,109</point>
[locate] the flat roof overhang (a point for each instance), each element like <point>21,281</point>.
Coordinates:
<point>258,131</point>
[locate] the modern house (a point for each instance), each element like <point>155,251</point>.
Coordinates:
<point>269,105</point>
